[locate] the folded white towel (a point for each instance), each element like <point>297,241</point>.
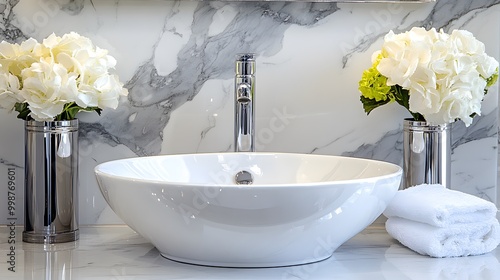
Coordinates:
<point>452,241</point>
<point>435,205</point>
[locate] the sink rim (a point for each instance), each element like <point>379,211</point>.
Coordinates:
<point>328,183</point>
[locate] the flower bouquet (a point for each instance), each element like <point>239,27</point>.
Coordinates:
<point>438,77</point>
<point>56,79</point>
<point>48,83</point>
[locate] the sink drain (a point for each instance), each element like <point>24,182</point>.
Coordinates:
<point>243,178</point>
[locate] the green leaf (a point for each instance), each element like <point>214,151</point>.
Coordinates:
<point>72,109</point>
<point>402,97</point>
<point>91,109</point>
<point>71,112</point>
<point>492,80</point>
<point>23,110</point>
<point>370,104</point>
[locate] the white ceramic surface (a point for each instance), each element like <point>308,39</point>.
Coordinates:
<point>299,209</point>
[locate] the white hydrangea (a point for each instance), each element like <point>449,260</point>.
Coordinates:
<point>59,71</point>
<point>47,87</point>
<point>445,74</point>
<point>9,91</point>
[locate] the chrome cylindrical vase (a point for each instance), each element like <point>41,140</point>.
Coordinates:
<point>51,180</point>
<point>426,153</point>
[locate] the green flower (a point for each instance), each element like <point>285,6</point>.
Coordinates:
<point>373,85</point>
<point>374,89</point>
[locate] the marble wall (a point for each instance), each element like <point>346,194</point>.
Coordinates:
<point>177,60</point>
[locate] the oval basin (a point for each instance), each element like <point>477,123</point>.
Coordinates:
<point>297,209</point>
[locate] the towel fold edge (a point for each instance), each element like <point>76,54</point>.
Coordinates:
<point>421,238</point>
<point>419,204</point>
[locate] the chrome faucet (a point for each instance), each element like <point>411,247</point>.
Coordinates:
<point>244,126</point>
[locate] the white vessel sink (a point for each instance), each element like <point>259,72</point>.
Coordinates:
<point>299,208</point>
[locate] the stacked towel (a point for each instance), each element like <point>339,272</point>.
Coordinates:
<point>438,222</point>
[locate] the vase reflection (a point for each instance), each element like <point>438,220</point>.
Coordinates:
<point>48,261</point>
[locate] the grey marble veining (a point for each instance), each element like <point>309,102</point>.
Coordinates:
<point>9,31</point>
<point>257,27</point>
<point>482,127</point>
<point>177,59</point>
<point>455,10</point>
<point>73,7</point>
<point>443,14</point>
<point>389,147</point>
<point>9,164</point>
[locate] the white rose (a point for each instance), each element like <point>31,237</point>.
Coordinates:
<point>47,87</point>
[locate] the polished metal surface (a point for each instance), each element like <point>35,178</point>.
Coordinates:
<point>427,153</point>
<point>243,178</point>
<point>244,126</point>
<point>51,172</point>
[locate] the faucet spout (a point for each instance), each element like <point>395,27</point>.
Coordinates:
<point>244,126</point>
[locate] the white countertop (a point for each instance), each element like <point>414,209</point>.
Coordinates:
<point>117,252</point>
